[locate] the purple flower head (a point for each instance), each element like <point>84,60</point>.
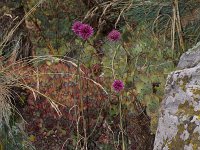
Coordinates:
<point>76,27</point>
<point>86,31</point>
<point>114,35</point>
<point>118,85</point>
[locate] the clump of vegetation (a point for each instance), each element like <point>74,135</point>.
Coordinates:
<point>90,84</point>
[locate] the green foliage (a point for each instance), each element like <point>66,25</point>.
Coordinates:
<point>52,21</point>
<point>158,17</point>
<point>142,66</point>
<point>142,60</point>
<point>14,138</point>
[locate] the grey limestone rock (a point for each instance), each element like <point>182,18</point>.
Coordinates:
<point>179,121</point>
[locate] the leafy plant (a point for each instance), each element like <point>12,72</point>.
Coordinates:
<point>52,21</point>
<point>71,102</point>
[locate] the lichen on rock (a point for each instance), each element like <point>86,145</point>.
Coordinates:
<point>179,121</point>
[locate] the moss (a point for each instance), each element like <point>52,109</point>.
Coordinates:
<point>188,109</point>
<point>195,140</point>
<point>193,137</point>
<point>196,92</point>
<point>183,82</point>
<point>177,142</point>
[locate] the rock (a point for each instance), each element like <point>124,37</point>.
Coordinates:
<point>179,121</point>
<point>191,58</point>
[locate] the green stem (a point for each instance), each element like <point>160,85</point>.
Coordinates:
<point>82,103</point>
<point>113,58</point>
<point>121,122</point>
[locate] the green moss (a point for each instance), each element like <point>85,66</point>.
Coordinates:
<point>177,142</point>
<point>183,81</point>
<point>193,137</point>
<point>187,109</point>
<point>196,91</point>
<point>195,140</point>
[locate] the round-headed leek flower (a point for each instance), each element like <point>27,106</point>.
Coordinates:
<point>114,35</point>
<point>76,27</point>
<point>86,31</point>
<point>118,85</point>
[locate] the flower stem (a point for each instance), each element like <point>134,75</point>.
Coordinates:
<point>121,122</point>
